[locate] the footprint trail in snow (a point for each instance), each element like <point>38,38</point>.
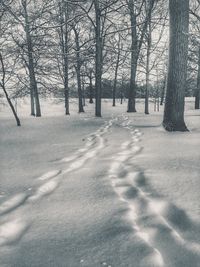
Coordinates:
<point>13,229</point>
<point>153,220</point>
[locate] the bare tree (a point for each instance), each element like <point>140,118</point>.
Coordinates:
<point>78,69</point>
<point>3,86</point>
<point>137,38</point>
<point>177,68</point>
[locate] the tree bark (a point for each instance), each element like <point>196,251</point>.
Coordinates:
<point>177,68</point>
<point>115,79</point>
<point>197,92</point>
<point>149,9</point>
<point>134,58</point>
<point>78,72</point>
<point>31,68</point>
<point>6,94</point>
<point>98,61</point>
<point>163,91</point>
<point>66,64</point>
<point>91,89</point>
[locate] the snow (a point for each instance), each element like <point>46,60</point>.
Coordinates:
<point>114,191</point>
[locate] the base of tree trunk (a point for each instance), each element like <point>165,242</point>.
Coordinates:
<point>146,112</point>
<point>131,106</point>
<point>173,127</point>
<point>81,111</point>
<point>91,101</point>
<point>131,110</point>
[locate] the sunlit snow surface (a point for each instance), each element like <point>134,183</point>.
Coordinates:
<point>116,191</point>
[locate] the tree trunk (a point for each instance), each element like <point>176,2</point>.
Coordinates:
<point>197,92</point>
<point>12,108</point>
<point>163,91</point>
<point>83,91</point>
<point>98,61</point>
<point>134,57</point>
<point>177,68</point>
<point>146,111</point>
<point>2,83</point>
<point>32,103</point>
<point>33,82</point>
<point>116,73</point>
<point>91,89</point>
<point>65,50</point>
<point>78,72</point>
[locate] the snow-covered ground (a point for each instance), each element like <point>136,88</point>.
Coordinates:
<point>113,191</point>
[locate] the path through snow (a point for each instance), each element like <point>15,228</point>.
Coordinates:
<point>155,226</point>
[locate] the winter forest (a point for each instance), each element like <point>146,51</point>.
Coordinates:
<point>99,133</point>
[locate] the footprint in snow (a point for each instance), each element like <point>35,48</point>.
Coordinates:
<point>45,189</point>
<point>49,175</point>
<point>12,231</point>
<point>13,203</point>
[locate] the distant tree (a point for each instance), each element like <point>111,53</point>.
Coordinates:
<point>27,18</point>
<point>194,48</point>
<point>137,38</point>
<point>98,61</point>
<point>78,69</point>
<point>177,67</point>
<point>64,45</point>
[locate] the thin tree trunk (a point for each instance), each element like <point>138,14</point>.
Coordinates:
<point>98,61</point>
<point>33,82</point>
<point>12,107</point>
<point>197,91</point>
<point>65,50</point>
<point>121,91</point>
<point>146,111</point>
<point>91,89</point>
<point>6,94</point>
<point>78,72</point>
<point>116,73</point>
<point>136,44</point>
<point>163,91</point>
<point>83,91</point>
<point>177,68</point>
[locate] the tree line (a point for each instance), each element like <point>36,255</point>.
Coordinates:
<point>50,45</point>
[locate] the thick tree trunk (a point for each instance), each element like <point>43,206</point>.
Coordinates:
<point>134,58</point>
<point>177,68</point>
<point>33,82</point>
<point>197,92</point>
<point>98,61</point>
<point>32,103</point>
